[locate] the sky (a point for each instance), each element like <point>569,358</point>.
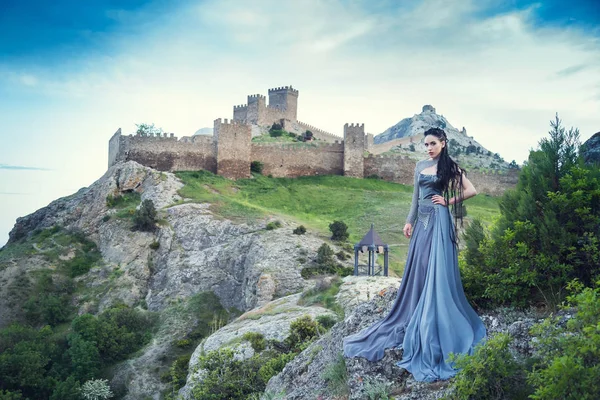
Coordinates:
<point>73,72</point>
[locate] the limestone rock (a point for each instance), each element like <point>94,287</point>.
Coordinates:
<point>271,320</point>
<point>591,149</point>
<point>303,377</point>
<point>359,289</point>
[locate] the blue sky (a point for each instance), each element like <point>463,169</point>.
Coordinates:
<point>73,72</point>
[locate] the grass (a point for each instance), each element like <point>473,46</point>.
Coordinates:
<point>316,201</point>
<point>324,296</point>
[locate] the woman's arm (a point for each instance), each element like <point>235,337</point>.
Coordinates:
<point>468,191</point>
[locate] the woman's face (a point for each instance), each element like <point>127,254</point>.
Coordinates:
<point>434,145</point>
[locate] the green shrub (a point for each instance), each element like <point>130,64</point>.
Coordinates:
<point>117,332</point>
<point>273,225</point>
<point>105,218</point>
<point>490,373</point>
<point>257,166</point>
<point>275,365</point>
<point>277,133</point>
<point>228,378</point>
<point>179,371</point>
<point>183,343</point>
<point>66,390</point>
<point>257,340</point>
<point>568,355</point>
<point>144,219</point>
<point>326,321</point>
<point>300,230</point>
<point>342,256</point>
<point>7,395</point>
<point>339,230</point>
<point>50,301</point>
<point>302,330</point>
<point>324,254</point>
<point>155,245</point>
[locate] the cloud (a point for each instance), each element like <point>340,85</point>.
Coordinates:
<point>19,167</point>
<point>350,61</point>
<point>571,70</point>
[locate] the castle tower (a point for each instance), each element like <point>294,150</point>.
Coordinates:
<point>256,110</point>
<point>233,148</point>
<point>285,99</point>
<point>354,147</point>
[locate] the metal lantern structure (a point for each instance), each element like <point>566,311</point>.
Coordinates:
<point>372,244</point>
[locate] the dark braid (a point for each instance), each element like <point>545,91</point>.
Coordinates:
<point>450,176</point>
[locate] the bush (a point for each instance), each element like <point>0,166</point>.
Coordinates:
<point>302,330</point>
<point>96,389</point>
<point>275,365</point>
<point>257,340</point>
<point>300,230</point>
<point>324,254</point>
<point>144,218</point>
<point>339,230</point>
<point>179,371</point>
<point>568,355</point>
<point>326,321</point>
<point>342,256</point>
<point>228,378</point>
<point>117,332</point>
<point>277,133</point>
<point>490,373</point>
<point>257,166</point>
<point>155,245</point>
<point>273,225</point>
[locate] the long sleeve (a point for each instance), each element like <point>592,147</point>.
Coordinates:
<point>412,214</point>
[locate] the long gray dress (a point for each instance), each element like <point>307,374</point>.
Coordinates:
<point>431,316</point>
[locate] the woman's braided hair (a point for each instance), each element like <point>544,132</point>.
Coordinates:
<point>451,179</point>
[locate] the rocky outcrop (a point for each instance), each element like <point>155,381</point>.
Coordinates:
<point>271,320</point>
<point>191,251</point>
<point>590,150</point>
<point>304,376</point>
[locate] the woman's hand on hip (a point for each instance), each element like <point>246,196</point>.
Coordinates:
<point>437,199</point>
<point>407,230</point>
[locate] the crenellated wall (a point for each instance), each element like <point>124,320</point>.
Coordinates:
<point>302,159</point>
<point>230,151</point>
<point>317,133</point>
<point>164,153</point>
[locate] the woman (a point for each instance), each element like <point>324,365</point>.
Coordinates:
<point>431,317</point>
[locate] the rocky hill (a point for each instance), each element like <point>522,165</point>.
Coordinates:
<point>406,137</point>
<point>86,242</point>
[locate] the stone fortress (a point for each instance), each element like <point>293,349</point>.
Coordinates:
<point>230,151</point>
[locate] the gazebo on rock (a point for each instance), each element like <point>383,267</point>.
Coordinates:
<point>372,244</point>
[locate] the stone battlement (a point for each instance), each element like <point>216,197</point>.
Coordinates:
<point>319,133</point>
<point>283,88</point>
<point>229,152</point>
